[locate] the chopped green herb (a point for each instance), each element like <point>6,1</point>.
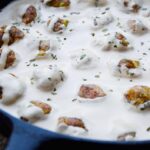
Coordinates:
<point>104,30</point>
<point>32,60</point>
<point>82,56</point>
<point>148,129</point>
<point>53,93</point>
<point>48,99</point>
<point>74,100</point>
<point>97,76</point>
<point>84,79</point>
<point>49,79</point>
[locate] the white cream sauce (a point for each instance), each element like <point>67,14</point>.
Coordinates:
<point>107,118</point>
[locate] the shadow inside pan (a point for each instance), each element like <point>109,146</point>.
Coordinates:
<point>5,131</point>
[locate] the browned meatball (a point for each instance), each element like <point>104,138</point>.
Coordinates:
<point>29,15</point>
<point>91,91</point>
<point>58,3</point>
<point>75,122</point>
<point>130,64</point>
<point>126,3</point>
<point>44,45</point>
<point>11,57</point>
<point>122,39</point>
<point>120,36</point>
<point>15,34</point>
<point>58,26</point>
<point>2,31</point>
<point>45,107</point>
<point>135,7</point>
<point>138,95</point>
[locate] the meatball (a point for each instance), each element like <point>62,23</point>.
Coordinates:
<point>46,49</point>
<point>8,58</point>
<point>60,25</point>
<point>58,3</point>
<point>131,5</point>
<point>117,42</point>
<point>57,25</point>
<point>34,110</point>
<point>48,78</point>
<point>128,68</point>
<point>137,26</point>
<point>11,58</point>
<point>122,39</point>
<point>44,46</point>
<point>15,34</point>
<point>45,107</point>
<point>139,96</point>
<point>2,31</point>
<point>101,20</point>
<point>75,122</point>
<point>83,59</point>
<point>30,15</point>
<point>11,88</point>
<point>130,64</point>
<point>91,91</point>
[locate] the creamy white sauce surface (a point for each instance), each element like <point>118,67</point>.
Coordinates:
<point>110,116</point>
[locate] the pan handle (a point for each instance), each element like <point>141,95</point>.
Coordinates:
<point>22,141</point>
<point>24,136</point>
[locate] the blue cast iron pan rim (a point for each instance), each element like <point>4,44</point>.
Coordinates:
<point>18,124</point>
<point>56,135</point>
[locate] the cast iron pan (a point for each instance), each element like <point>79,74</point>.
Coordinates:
<point>24,136</point>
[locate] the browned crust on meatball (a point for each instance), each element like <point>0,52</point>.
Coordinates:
<point>119,36</point>
<point>44,106</point>
<point>75,122</point>
<point>57,25</point>
<point>15,34</point>
<point>44,45</point>
<point>138,95</point>
<point>2,31</point>
<point>1,92</point>
<point>136,8</point>
<point>122,39</point>
<point>130,64</point>
<point>91,91</point>
<point>29,15</point>
<point>126,3</point>
<point>11,57</point>
<point>58,3</point>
